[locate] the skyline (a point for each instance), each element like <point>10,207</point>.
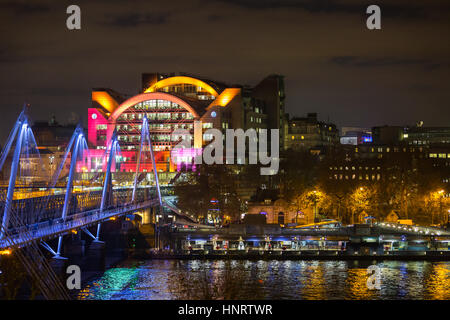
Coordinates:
<point>332,64</point>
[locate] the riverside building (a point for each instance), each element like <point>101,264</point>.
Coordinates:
<point>174,101</point>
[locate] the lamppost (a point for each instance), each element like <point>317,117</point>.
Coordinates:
<point>441,195</point>
<point>358,196</point>
<point>315,205</point>
<point>315,198</point>
<point>437,195</point>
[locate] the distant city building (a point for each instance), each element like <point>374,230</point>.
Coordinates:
<point>345,130</point>
<point>175,101</point>
<point>308,133</point>
<point>278,211</point>
<point>372,162</point>
<point>52,135</point>
<point>427,135</point>
<point>416,135</point>
<point>355,135</point>
<point>37,167</point>
<point>388,135</point>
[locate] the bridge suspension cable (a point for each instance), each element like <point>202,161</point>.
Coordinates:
<point>34,262</point>
<point>145,137</point>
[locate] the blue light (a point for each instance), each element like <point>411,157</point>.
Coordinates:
<point>367,139</point>
<point>213,114</point>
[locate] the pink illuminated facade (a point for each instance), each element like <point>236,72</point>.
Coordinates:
<point>172,104</point>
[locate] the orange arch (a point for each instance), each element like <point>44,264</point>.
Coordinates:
<point>150,96</point>
<point>182,80</point>
<point>141,98</point>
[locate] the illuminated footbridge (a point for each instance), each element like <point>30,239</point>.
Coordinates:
<point>35,219</point>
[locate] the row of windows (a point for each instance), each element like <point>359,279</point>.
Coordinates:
<point>157,116</point>
<point>102,127</point>
<point>182,88</point>
<point>155,126</point>
<point>156,138</point>
<point>158,146</point>
<point>388,149</point>
<point>372,177</point>
<point>354,168</point>
<point>152,104</point>
<point>440,155</point>
<point>256,119</point>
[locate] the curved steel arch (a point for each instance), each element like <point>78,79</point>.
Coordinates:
<point>141,98</point>
<point>150,96</point>
<point>182,80</point>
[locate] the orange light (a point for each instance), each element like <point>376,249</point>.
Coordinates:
<point>148,96</point>
<point>74,231</point>
<point>225,97</point>
<point>5,252</point>
<point>182,80</point>
<point>112,218</point>
<point>105,100</point>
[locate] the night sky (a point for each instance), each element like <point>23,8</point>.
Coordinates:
<point>332,63</point>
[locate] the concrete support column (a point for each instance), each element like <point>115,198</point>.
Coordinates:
<point>96,256</point>
<point>59,266</point>
<point>75,248</point>
<point>147,216</point>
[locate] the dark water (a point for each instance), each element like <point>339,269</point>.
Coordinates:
<point>222,279</point>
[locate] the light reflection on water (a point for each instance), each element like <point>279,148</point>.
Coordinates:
<point>225,279</point>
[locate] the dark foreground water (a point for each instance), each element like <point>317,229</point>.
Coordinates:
<point>224,279</point>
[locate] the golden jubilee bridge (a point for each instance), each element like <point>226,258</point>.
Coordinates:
<point>28,222</point>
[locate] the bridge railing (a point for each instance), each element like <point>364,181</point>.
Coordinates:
<point>53,228</point>
<point>31,211</point>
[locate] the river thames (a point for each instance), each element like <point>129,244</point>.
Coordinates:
<point>271,280</point>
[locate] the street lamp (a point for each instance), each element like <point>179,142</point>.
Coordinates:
<point>437,195</point>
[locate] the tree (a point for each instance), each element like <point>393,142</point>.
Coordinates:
<point>196,191</point>
<point>298,173</point>
<point>364,198</point>
<point>311,198</point>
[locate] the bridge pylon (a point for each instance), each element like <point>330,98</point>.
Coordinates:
<point>20,132</point>
<point>145,137</point>
<point>114,148</point>
<point>78,141</point>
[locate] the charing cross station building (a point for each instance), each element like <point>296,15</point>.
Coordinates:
<point>175,101</point>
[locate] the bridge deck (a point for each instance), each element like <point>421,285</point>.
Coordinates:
<point>51,229</point>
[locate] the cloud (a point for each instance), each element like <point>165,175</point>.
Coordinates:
<point>136,19</point>
<point>365,62</point>
<point>24,8</point>
<point>391,10</point>
<point>308,5</point>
